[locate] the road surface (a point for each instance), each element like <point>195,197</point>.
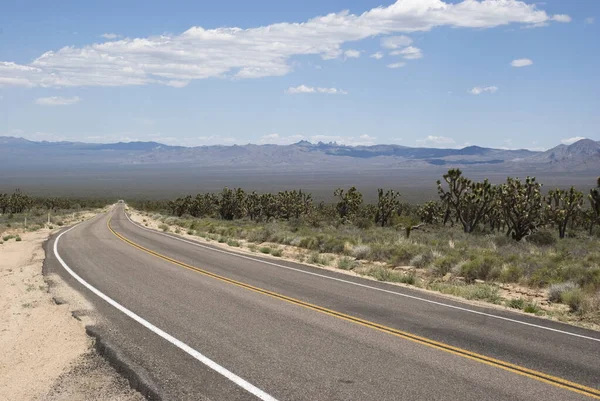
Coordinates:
<point>203,323</point>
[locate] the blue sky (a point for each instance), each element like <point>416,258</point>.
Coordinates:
<point>498,73</point>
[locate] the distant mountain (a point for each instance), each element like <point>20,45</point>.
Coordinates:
<point>583,155</point>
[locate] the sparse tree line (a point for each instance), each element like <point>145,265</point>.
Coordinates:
<point>516,207</point>
<point>18,202</point>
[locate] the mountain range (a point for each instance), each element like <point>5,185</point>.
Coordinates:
<point>19,153</point>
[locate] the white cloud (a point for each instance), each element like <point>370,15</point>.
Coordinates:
<point>276,139</point>
<point>478,90</point>
<point>433,140</point>
<point>561,18</point>
<point>198,53</point>
<point>362,140</point>
<point>521,62</point>
<point>569,141</point>
<point>394,42</point>
<point>377,56</point>
<point>590,20</point>
<point>410,53</point>
<point>57,100</point>
<point>310,89</point>
<point>110,36</point>
<point>351,53</point>
<point>396,65</point>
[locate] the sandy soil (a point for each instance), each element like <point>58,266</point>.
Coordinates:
<point>46,354</point>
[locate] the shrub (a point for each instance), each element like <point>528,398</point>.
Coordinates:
<point>17,238</point>
<point>516,303</point>
<point>252,247</point>
<point>232,242</point>
<point>422,260</point>
<point>531,307</point>
<point>542,238</point>
<point>7,238</point>
<point>222,240</point>
<point>483,292</point>
<point>386,274</point>
<point>60,223</point>
<point>511,273</point>
<point>556,291</point>
<point>346,263</point>
<point>574,298</point>
<point>191,232</point>
<point>276,252</point>
<point>317,259</point>
<point>479,267</point>
<point>361,251</point>
<point>265,249</point>
<point>445,264</point>
<point>163,227</point>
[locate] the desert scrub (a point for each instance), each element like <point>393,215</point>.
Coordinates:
<point>18,238</point>
<point>482,267</point>
<point>481,292</point>
<point>265,249</point>
<point>516,303</point>
<point>233,242</point>
<point>317,259</point>
<point>390,275</point>
<point>361,251</point>
<point>163,227</point>
<point>346,263</point>
<point>252,247</point>
<point>555,291</point>
<point>575,298</point>
<point>222,240</point>
<point>7,238</point>
<point>276,252</point>
<point>531,307</point>
<point>191,232</point>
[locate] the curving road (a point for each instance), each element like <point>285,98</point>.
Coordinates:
<point>201,323</point>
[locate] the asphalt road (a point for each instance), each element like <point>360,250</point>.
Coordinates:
<point>227,327</point>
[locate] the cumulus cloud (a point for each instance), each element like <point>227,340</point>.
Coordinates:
<point>110,36</point>
<point>198,53</point>
<point>351,53</point>
<point>57,100</point>
<point>294,90</point>
<point>521,62</point>
<point>561,18</point>
<point>410,53</point>
<point>395,42</point>
<point>396,65</point>
<point>569,141</point>
<point>377,56</point>
<point>433,140</point>
<point>478,90</point>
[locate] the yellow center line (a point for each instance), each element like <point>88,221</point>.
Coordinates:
<point>543,377</point>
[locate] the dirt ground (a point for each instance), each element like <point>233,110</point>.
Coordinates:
<point>46,354</point>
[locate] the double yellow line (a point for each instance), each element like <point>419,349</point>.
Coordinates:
<point>549,379</point>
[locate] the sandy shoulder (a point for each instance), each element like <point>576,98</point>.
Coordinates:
<point>41,342</point>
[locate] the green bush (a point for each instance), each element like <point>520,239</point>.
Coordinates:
<point>316,259</point>
<point>232,242</point>
<point>17,238</point>
<point>390,275</point>
<point>444,265</point>
<point>511,273</point>
<point>191,232</point>
<point>542,238</point>
<point>252,247</point>
<point>531,307</point>
<point>518,303</point>
<point>265,249</point>
<point>346,263</point>
<point>7,238</point>
<point>556,291</point>
<point>222,240</point>
<point>479,267</point>
<point>163,227</point>
<point>574,298</point>
<point>277,252</point>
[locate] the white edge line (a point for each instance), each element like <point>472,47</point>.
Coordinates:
<point>179,344</point>
<point>368,286</point>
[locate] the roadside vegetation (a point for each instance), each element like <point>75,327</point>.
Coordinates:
<point>20,212</point>
<point>509,244</point>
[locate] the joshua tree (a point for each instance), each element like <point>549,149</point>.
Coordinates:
<point>521,205</point>
<point>387,204</point>
<point>349,203</point>
<point>562,206</point>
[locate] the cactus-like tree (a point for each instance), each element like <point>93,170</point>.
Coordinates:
<point>431,212</point>
<point>522,206</point>
<point>387,203</point>
<point>562,207</point>
<point>349,203</point>
<point>232,204</point>
<point>470,201</point>
<point>594,198</point>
